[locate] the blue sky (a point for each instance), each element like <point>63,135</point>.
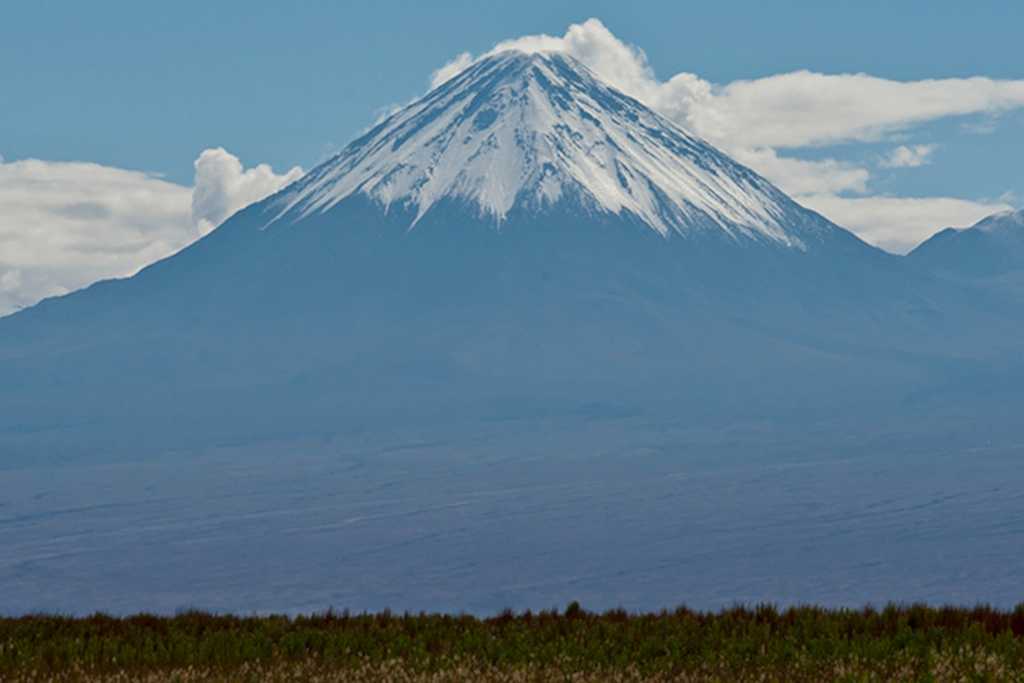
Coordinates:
<point>138,85</point>
<point>129,86</point>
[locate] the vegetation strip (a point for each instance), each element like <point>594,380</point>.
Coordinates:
<point>762,643</point>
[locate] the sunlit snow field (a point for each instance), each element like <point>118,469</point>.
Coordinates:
<point>521,514</point>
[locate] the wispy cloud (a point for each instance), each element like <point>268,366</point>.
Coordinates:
<point>908,156</point>
<point>453,67</point>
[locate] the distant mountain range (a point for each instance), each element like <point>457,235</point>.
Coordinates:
<point>991,246</point>
<point>524,242</point>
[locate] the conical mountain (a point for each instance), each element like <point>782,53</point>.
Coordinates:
<point>524,242</point>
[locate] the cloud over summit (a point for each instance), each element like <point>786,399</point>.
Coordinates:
<point>758,121</point>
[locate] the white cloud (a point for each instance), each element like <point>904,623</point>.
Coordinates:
<point>64,225</point>
<point>450,69</point>
<point>753,119</point>
<point>223,186</point>
<point>908,156</point>
<point>986,126</point>
<point>898,224</point>
<point>805,108</point>
<point>10,281</point>
<point>801,176</point>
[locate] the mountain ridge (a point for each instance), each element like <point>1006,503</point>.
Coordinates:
<point>992,246</point>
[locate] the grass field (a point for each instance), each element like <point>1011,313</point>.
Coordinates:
<point>743,644</point>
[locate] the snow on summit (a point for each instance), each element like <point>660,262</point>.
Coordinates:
<point>518,130</point>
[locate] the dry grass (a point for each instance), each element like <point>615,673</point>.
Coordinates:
<point>763,644</point>
<point>962,666</point>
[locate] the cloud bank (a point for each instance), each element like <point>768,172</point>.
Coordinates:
<point>757,120</point>
<point>64,225</point>
<point>901,223</point>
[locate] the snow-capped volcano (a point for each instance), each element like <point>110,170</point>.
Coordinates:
<point>530,131</point>
<point>523,243</point>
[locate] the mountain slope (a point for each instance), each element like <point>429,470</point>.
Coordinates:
<point>994,245</point>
